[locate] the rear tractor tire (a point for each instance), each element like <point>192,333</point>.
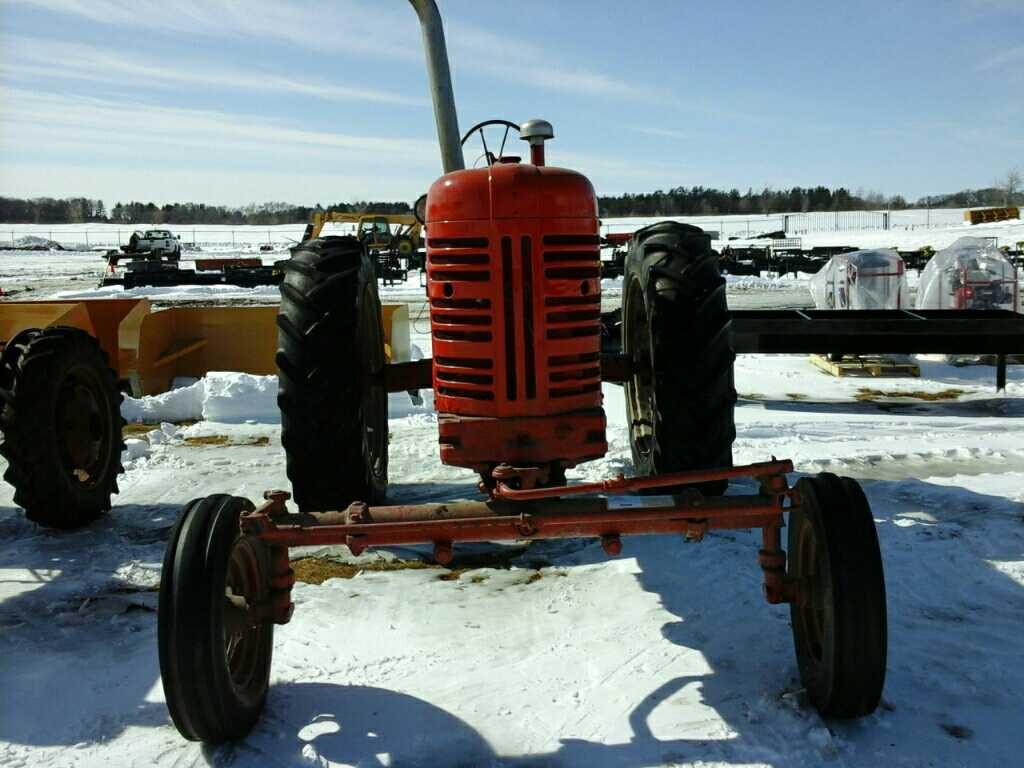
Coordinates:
<point>61,421</point>
<point>839,618</point>
<point>676,330</point>
<point>214,653</point>
<point>330,357</point>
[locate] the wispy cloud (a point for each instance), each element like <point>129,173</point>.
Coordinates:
<point>110,136</point>
<point>992,5</point>
<point>664,133</point>
<point>120,180</point>
<point>340,26</point>
<point>608,172</point>
<point>30,56</point>
<point>76,120</point>
<point>133,149</point>
<point>526,62</point>
<point>1007,56</point>
<point>347,27</point>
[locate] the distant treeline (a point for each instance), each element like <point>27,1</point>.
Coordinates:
<point>974,198</point>
<point>703,201</point>
<point>46,210</point>
<point>681,201</point>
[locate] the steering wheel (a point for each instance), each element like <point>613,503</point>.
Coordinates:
<point>479,128</point>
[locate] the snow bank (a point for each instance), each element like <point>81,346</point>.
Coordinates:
<point>235,398</point>
<point>183,404</point>
<point>174,292</point>
<point>134,449</point>
<point>230,398</point>
<point>33,243</point>
<point>167,433</point>
<point>611,285</point>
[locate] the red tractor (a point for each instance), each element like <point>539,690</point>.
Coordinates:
<point>513,282</point>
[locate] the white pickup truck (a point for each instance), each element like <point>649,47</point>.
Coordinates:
<point>155,243</point>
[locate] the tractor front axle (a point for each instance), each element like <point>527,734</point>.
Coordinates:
<point>607,518</point>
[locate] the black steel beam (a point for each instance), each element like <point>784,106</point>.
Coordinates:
<point>411,375</point>
<point>798,331</point>
<point>930,331</point>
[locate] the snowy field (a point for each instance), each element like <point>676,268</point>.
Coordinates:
<point>75,274</point>
<point>552,654</point>
<point>248,238</point>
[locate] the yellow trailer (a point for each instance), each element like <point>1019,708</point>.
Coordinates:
<point>65,363</point>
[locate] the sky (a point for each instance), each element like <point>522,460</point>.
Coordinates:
<point>240,101</point>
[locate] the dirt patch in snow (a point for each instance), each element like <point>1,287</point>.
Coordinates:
<point>866,394</point>
<point>961,732</point>
<point>224,440</point>
<point>317,570</point>
<point>142,428</point>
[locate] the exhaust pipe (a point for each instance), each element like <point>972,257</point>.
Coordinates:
<point>440,85</point>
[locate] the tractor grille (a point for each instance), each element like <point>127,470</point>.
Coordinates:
<point>463,313</point>
<point>516,322</point>
<point>572,314</point>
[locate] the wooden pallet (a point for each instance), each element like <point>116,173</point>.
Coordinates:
<point>867,365</point>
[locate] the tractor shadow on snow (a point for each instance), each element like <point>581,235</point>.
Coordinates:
<point>756,711</point>
<point>78,628</point>
<point>995,407</point>
<point>743,703</point>
<point>355,725</point>
<point>426,493</point>
<point>69,641</point>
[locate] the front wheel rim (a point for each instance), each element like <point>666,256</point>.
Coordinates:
<point>640,389</point>
<point>812,612</point>
<point>244,589</point>
<point>83,422</point>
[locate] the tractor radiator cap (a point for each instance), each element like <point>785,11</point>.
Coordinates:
<point>536,131</point>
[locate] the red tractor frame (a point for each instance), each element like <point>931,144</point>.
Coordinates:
<point>513,283</point>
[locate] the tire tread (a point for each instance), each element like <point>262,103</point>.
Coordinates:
<point>319,374</point>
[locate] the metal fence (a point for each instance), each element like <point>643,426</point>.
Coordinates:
<point>797,224</point>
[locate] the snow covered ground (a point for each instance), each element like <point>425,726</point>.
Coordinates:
<point>552,654</point>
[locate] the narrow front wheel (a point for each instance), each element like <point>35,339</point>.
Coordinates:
<point>839,613</point>
<point>214,651</point>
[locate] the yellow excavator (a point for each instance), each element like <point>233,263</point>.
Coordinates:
<point>398,233</point>
<point>394,240</point>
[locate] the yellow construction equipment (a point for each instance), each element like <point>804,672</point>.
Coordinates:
<point>400,233</point>
<point>991,215</point>
<point>64,364</point>
<point>148,349</point>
